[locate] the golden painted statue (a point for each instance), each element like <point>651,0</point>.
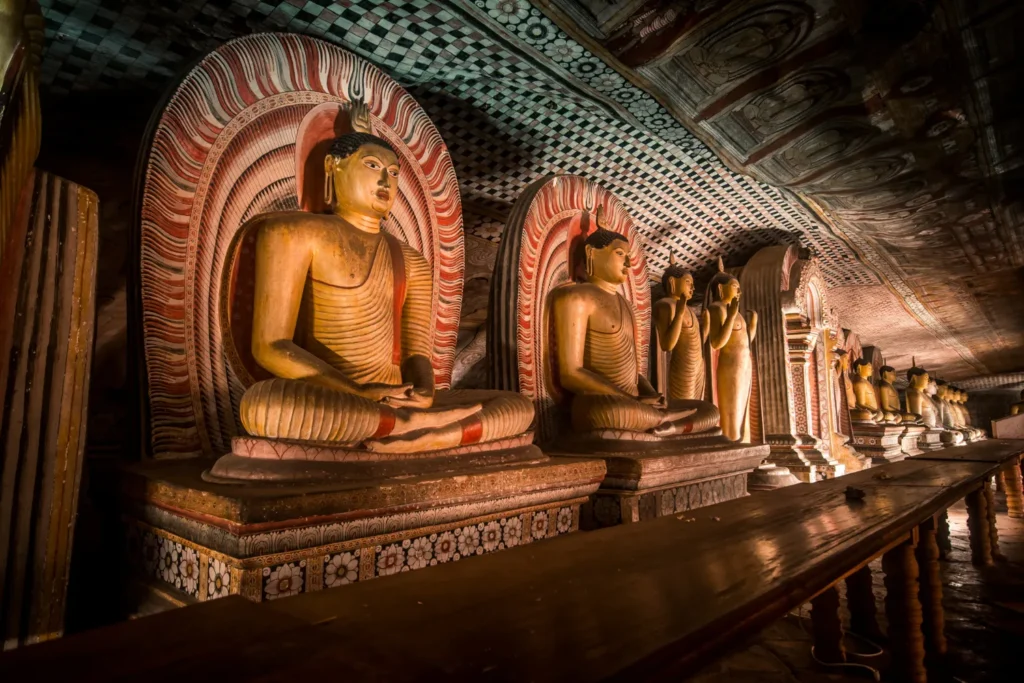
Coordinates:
<point>865,407</point>
<point>681,334</point>
<point>1018,408</point>
<point>596,352</point>
<point>919,405</point>
<point>731,365</point>
<point>342,320</point>
<point>889,398</point>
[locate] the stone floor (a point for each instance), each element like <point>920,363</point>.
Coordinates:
<point>984,611</point>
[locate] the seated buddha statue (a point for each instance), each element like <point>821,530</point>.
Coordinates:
<point>681,333</point>
<point>888,397</point>
<point>342,320</point>
<point>1018,408</point>
<point>918,405</point>
<point>593,329</point>
<point>865,407</point>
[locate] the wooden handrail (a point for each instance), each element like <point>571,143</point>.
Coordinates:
<point>649,601</point>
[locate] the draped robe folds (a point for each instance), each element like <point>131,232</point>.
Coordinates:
<point>612,355</point>
<point>366,332</point>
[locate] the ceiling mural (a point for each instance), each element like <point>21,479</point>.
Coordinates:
<point>817,150</point>
<point>893,119</point>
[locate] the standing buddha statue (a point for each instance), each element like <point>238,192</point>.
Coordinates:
<point>681,334</point>
<point>594,331</point>
<point>342,322</point>
<point>730,362</point>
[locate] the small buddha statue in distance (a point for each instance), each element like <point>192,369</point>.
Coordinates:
<point>865,408</point>
<point>918,404</point>
<point>889,398</point>
<point>1018,408</point>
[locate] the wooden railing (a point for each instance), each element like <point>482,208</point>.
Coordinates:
<point>649,601</point>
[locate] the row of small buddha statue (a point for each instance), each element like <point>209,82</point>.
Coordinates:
<point>329,287</point>
<point>929,402</point>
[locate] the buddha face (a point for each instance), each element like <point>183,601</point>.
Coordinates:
<point>920,382</point>
<point>681,287</point>
<point>865,370</point>
<point>888,376</point>
<point>729,290</point>
<point>610,263</point>
<point>933,388</point>
<point>366,181</point>
<point>941,391</point>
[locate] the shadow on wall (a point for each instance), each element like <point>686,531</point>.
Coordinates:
<point>93,139</point>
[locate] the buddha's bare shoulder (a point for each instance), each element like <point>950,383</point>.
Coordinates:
<point>577,295</point>
<point>282,223</point>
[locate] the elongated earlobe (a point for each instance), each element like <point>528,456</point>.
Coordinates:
<point>329,180</point>
<point>590,261</point>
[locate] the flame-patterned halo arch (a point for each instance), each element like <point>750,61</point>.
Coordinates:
<point>222,152</point>
<point>541,238</point>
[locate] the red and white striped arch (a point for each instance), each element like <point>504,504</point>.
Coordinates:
<point>222,152</point>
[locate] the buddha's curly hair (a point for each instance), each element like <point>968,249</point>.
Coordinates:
<point>601,238</point>
<point>886,368</point>
<point>859,362</point>
<point>347,144</point>
<point>675,270</point>
<point>915,372</point>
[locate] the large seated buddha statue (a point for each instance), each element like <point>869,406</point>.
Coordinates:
<point>342,321</point>
<point>889,398</point>
<point>865,408</point>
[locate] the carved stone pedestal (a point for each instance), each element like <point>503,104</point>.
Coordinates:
<point>194,540</point>
<point>880,442</point>
<point>931,440</point>
<point>648,480</point>
<point>804,458</point>
<point>769,477</point>
<point>910,441</point>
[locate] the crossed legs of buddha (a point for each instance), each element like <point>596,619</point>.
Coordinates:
<point>592,412</point>
<point>298,410</point>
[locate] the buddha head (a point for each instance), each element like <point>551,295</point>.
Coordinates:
<point>887,373</point>
<point>677,282</point>
<point>862,367</point>
<point>941,389</point>
<point>918,378</point>
<point>842,360</point>
<point>607,256</point>
<point>361,176</point>
<point>932,387</point>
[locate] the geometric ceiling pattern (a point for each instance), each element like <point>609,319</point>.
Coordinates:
<point>515,98</point>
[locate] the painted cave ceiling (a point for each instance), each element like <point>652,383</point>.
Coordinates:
<point>883,136</point>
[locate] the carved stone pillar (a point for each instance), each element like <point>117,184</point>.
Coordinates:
<point>789,295</point>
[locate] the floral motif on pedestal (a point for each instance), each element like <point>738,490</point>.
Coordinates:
<point>218,580</point>
<point>341,568</point>
<point>284,580</point>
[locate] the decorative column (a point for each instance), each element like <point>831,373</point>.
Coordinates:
<point>931,593</point>
<point>1012,486</point>
<point>789,294</point>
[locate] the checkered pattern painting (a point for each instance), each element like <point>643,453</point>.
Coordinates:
<point>513,96</point>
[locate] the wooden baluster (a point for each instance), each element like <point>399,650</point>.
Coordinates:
<point>828,627</point>
<point>860,599</point>
<point>977,524</point>
<point>930,583</point>
<point>943,536</point>
<point>1014,488</point>
<point>903,609</point>
<point>990,516</point>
